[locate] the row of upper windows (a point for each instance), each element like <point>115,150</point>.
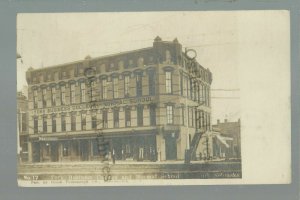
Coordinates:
<point>79,70</point>
<point>196,118</point>
<point>94,92</point>
<point>95,122</point>
<point>190,88</point>
<point>195,90</point>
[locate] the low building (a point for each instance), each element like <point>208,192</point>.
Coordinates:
<point>22,120</point>
<point>231,130</point>
<point>148,104</point>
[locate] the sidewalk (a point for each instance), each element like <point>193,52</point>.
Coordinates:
<point>124,162</point>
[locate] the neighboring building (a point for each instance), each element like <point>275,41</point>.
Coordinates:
<point>22,120</point>
<point>213,145</point>
<point>231,130</point>
<point>150,104</point>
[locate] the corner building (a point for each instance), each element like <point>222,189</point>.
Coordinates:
<point>149,104</point>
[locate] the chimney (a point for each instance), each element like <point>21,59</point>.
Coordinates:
<point>218,121</point>
<point>225,121</point>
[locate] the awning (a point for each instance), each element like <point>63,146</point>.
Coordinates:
<point>224,140</point>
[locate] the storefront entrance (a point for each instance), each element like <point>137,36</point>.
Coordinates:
<point>171,146</point>
<point>137,148</point>
<point>54,151</point>
<point>84,150</point>
<point>36,152</point>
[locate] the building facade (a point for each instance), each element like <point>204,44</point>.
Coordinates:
<point>22,120</point>
<point>149,104</point>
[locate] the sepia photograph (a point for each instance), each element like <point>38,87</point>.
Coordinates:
<point>137,98</point>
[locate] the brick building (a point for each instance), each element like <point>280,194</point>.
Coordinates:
<point>231,130</point>
<point>22,120</point>
<point>150,104</point>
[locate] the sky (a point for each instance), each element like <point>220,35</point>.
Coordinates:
<point>49,39</point>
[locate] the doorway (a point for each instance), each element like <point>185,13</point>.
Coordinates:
<point>171,147</point>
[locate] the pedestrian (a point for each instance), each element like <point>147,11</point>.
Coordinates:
<point>113,156</point>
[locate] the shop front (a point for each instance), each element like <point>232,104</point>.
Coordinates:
<point>136,147</point>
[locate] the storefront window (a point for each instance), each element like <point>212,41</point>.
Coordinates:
<point>66,148</point>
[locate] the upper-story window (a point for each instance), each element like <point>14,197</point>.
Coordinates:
<point>41,78</point>
<point>188,88</point>
<point>183,116</point>
<point>170,114</point>
<point>24,122</point>
<point>191,87</point>
<point>152,111</point>
<point>116,118</point>
<point>63,95</point>
<point>35,124</point>
<point>82,91</point>
<point>63,122</point>
<point>53,123</point>
<point>126,85</point>
<point>45,123</point>
<point>49,77</point>
<point>104,118</point>
<point>168,82</point>
<point>83,121</point>
<point>44,97</point>
<point>64,74</point>
<point>35,98</point>
<point>56,76</point>
<point>121,64</point>
<point>140,62</point>
<point>151,78</point>
<point>130,64</point>
<point>168,56</point>
<point>104,89</point>
<point>115,87</point>
<point>93,90</point>
<point>94,119</point>
<point>139,84</point>
<point>127,117</point>
<point>73,121</point>
<point>208,96</point>
<point>140,116</point>
<point>184,86</point>
<point>53,96</point>
<point>72,91</point>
